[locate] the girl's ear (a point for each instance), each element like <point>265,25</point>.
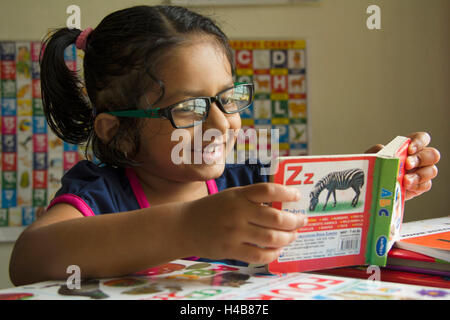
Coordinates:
<point>106,126</point>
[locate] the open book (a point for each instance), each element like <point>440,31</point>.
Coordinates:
<point>354,205</point>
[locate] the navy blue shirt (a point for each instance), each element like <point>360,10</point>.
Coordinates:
<point>95,190</point>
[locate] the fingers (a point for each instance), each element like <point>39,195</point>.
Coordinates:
<point>425,157</point>
<point>419,140</point>
<point>275,219</point>
<point>270,238</point>
<point>419,176</point>
<point>418,189</point>
<point>254,254</point>
<point>270,192</point>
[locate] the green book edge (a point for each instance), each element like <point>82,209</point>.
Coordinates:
<point>384,187</point>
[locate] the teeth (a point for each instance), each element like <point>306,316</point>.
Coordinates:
<point>211,149</point>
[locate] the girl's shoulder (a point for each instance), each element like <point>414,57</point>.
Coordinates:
<point>102,189</point>
<point>242,174</point>
<point>85,173</point>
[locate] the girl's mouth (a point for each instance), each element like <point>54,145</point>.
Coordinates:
<point>211,153</point>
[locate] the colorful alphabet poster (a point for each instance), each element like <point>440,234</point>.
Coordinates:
<point>277,69</point>
<point>32,158</point>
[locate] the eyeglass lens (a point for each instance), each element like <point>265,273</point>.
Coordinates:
<point>232,100</point>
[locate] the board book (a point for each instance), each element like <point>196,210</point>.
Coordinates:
<point>354,204</point>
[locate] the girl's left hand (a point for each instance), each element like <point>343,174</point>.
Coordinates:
<point>420,164</point>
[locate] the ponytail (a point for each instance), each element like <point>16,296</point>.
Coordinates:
<point>67,110</point>
<point>122,63</point>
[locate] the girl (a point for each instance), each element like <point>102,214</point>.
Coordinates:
<point>148,72</point>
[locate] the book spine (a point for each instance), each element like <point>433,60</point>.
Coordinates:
<point>384,186</point>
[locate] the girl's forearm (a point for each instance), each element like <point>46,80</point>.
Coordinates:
<point>102,246</point>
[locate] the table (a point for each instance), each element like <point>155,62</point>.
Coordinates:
<point>193,280</point>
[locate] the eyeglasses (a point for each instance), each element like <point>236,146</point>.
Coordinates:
<point>190,112</point>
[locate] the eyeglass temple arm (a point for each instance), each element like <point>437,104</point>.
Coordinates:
<point>150,113</point>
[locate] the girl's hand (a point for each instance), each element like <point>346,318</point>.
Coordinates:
<point>420,164</point>
<point>235,224</point>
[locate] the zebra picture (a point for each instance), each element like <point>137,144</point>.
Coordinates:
<point>340,180</point>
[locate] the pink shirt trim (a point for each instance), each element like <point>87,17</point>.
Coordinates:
<point>139,191</point>
<point>142,199</point>
<point>74,201</point>
<point>212,186</point>
<point>137,188</point>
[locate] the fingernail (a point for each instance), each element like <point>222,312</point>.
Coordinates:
<point>305,219</point>
<point>412,178</point>
<point>412,162</point>
<point>295,192</point>
<point>413,149</point>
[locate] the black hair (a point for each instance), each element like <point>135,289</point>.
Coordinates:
<point>120,62</point>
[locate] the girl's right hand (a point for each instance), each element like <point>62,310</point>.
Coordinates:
<point>234,223</point>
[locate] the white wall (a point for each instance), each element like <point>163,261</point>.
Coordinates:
<point>365,87</point>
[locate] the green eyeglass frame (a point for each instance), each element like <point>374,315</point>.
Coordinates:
<point>166,112</point>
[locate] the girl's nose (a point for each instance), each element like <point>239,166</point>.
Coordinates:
<point>217,119</point>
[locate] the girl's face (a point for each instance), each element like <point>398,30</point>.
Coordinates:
<point>193,70</point>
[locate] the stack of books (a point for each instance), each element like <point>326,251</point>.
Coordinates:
<point>420,257</point>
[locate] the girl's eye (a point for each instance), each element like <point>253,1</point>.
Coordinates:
<point>227,100</point>
<point>183,108</point>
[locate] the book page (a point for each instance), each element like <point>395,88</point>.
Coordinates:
<point>425,227</point>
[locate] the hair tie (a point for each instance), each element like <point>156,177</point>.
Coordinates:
<point>82,38</point>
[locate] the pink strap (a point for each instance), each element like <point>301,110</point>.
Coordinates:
<point>74,201</point>
<point>212,186</point>
<point>137,188</point>
<point>82,39</point>
<point>139,192</point>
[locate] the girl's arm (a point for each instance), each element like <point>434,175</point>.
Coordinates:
<point>231,224</point>
<point>102,246</point>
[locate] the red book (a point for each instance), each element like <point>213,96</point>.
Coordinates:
<point>354,204</point>
<point>405,260</point>
<point>392,276</point>
<point>429,237</point>
<point>409,255</point>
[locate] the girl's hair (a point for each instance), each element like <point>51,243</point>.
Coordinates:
<point>120,62</point>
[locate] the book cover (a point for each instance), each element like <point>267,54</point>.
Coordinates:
<point>354,205</point>
<point>429,237</point>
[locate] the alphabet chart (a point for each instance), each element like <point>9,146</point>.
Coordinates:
<point>278,70</point>
<point>32,158</point>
